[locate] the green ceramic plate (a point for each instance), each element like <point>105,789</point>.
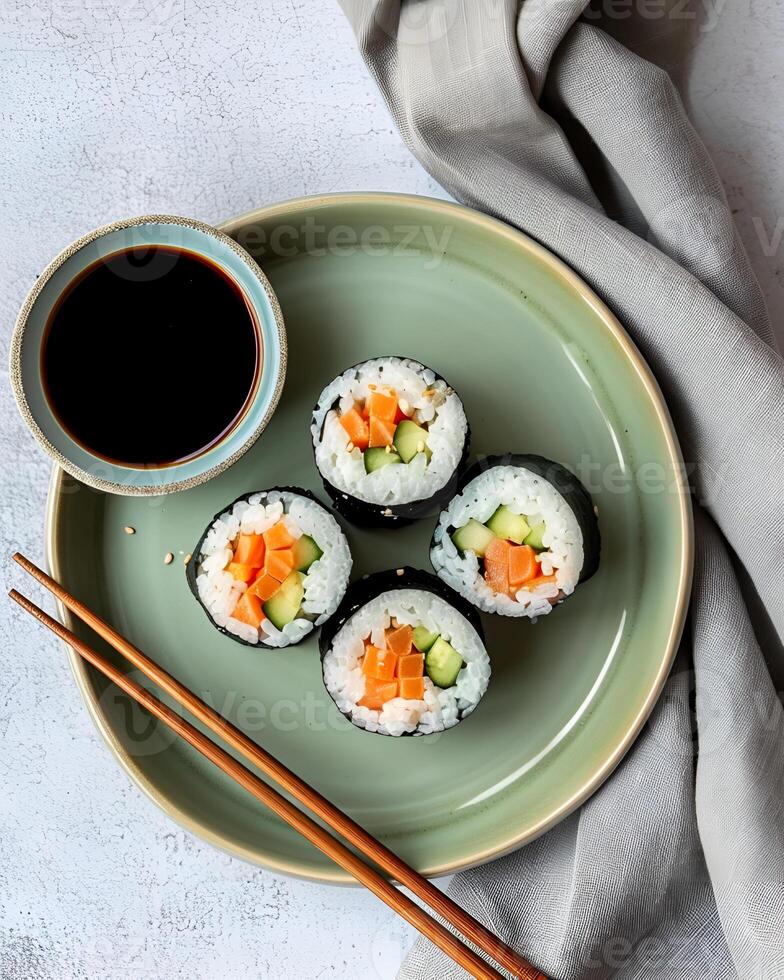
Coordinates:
<point>542,367</point>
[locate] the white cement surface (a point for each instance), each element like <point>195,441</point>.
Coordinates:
<point>210,108</point>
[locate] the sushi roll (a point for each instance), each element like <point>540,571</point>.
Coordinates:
<point>518,537</point>
<point>404,655</point>
<point>271,567</point>
<point>389,436</point>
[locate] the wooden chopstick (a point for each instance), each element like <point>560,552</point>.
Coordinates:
<point>296,787</point>
<point>325,842</point>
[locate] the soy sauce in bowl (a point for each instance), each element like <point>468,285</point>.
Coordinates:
<point>151,356</point>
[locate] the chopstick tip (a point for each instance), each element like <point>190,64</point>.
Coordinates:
<point>28,566</point>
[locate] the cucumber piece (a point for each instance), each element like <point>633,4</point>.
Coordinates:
<point>280,610</point>
<point>283,607</point>
<point>423,639</point>
<point>409,437</point>
<point>473,536</point>
<point>293,586</point>
<point>377,457</point>
<point>505,524</point>
<point>443,663</point>
<point>306,551</point>
<point>534,537</point>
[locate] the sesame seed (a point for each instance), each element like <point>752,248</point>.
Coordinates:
<point>168,559</point>
<point>129,530</point>
<point>400,572</point>
<point>186,559</point>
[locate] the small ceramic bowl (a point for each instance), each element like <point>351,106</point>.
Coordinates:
<point>25,358</point>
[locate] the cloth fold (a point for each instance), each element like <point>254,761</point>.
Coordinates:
<point>675,868</point>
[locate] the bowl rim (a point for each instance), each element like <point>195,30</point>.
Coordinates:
<point>513,841</point>
<point>159,487</point>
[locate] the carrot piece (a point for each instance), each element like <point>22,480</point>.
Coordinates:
<point>412,687</point>
<point>498,551</point>
<point>534,583</point>
<point>399,641</point>
<point>377,693</point>
<point>497,564</point>
<point>411,666</point>
<point>382,405</point>
<point>279,563</point>
<point>265,586</point>
<point>497,575</point>
<point>356,428</point>
<point>278,536</point>
<point>243,573</point>
<point>368,660</point>
<point>248,609</point>
<point>250,550</point>
<point>381,432</point>
<point>379,664</point>
<point>522,565</point>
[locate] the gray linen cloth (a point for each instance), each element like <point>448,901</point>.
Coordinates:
<point>675,868</point>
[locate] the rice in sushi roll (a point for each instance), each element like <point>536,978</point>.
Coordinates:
<point>271,567</point>
<point>389,436</point>
<point>518,537</point>
<point>404,655</point>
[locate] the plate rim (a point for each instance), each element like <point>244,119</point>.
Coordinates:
<point>685,571</point>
